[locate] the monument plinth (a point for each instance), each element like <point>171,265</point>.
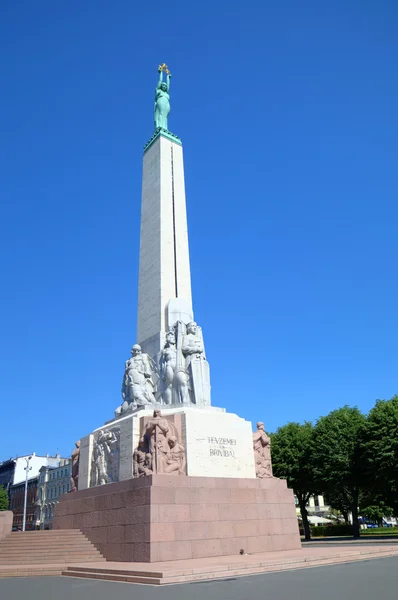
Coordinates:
<point>171,476</point>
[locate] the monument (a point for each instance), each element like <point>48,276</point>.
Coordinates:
<point>170,475</point>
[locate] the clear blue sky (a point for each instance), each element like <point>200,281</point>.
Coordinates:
<point>288,114</point>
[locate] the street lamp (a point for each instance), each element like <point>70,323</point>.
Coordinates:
<point>27,469</point>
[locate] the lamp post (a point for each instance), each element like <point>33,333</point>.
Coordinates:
<point>27,469</point>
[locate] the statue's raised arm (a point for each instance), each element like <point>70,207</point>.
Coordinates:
<point>160,80</point>
<point>162,99</point>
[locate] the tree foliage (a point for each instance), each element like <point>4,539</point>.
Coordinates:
<point>381,451</point>
<point>3,499</point>
<point>291,449</point>
<point>376,512</point>
<point>349,458</point>
<point>337,456</point>
<point>339,502</point>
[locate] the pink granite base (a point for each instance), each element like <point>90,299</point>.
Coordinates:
<point>161,517</point>
<point>6,517</point>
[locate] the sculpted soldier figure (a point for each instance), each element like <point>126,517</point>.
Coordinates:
<point>196,365</point>
<point>262,452</point>
<point>157,431</point>
<point>137,388</point>
<point>174,461</point>
<point>142,460</point>
<point>192,344</point>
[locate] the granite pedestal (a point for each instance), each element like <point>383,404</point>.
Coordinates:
<point>159,517</point>
<point>216,443</point>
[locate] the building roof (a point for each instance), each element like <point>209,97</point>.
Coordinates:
<point>22,483</point>
<point>13,460</point>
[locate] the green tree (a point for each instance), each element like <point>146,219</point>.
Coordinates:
<point>291,450</point>
<point>374,509</point>
<point>339,502</point>
<point>3,499</point>
<point>337,454</point>
<point>381,451</point>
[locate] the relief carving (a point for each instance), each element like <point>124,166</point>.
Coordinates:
<point>159,450</point>
<point>142,460</point>
<point>105,457</point>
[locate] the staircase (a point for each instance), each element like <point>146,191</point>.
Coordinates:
<point>29,553</point>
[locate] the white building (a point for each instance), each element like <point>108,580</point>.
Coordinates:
<point>316,509</point>
<point>12,471</point>
<point>53,482</point>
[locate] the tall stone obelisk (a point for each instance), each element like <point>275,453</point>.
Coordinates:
<point>164,271</point>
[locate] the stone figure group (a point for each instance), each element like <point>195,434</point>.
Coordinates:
<point>178,375</point>
<point>105,457</point>
<point>262,452</point>
<point>159,449</point>
<point>184,344</point>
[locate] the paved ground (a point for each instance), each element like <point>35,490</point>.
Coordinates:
<point>368,580</point>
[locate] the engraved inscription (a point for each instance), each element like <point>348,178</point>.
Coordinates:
<point>220,446</point>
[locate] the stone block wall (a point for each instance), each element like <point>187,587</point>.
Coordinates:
<point>160,517</point>
<point>6,517</point>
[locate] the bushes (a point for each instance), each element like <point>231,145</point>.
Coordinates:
<point>380,531</point>
<point>331,530</point>
<point>342,529</point>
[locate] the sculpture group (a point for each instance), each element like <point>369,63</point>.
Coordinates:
<point>159,449</point>
<point>174,377</point>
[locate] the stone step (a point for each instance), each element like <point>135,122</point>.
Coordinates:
<point>32,571</point>
<point>187,574</point>
<point>31,543</point>
<point>42,548</point>
<point>19,556</point>
<point>48,533</point>
<point>53,545</point>
<point>15,558</point>
<point>52,551</point>
<point>40,555</point>
<point>87,574</point>
<point>127,571</point>
<point>55,560</point>
<point>11,542</point>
